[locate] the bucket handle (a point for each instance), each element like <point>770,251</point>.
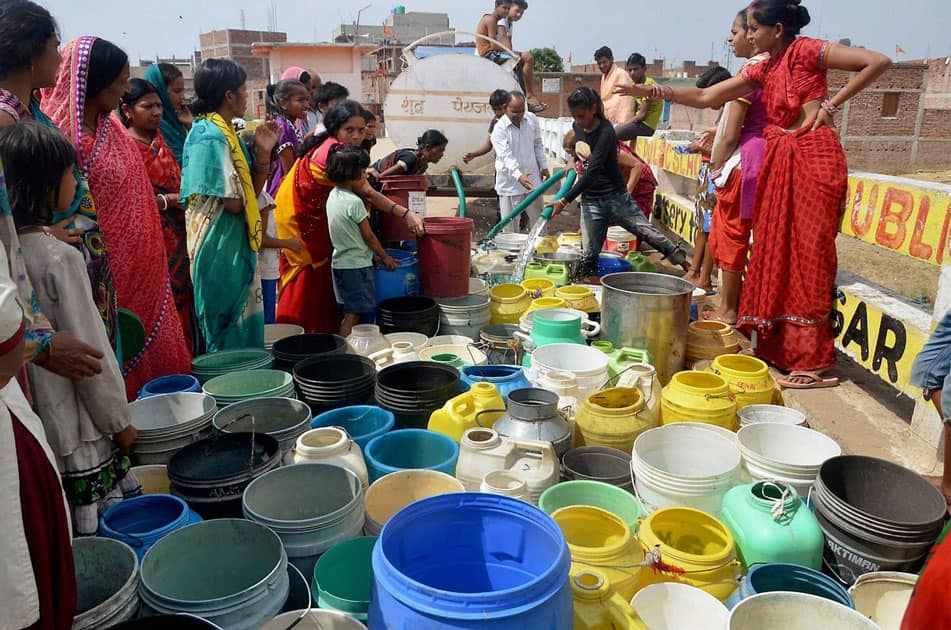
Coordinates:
<point>479,413</point>
<point>310,600</point>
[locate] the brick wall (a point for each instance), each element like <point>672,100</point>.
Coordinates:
<point>938,69</point>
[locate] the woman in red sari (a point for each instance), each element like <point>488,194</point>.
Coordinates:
<point>306,295</point>
<point>91,80</point>
<point>142,113</point>
<point>787,298</point>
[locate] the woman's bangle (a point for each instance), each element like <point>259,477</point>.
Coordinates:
<point>164,203</point>
<point>830,107</point>
<point>405,213</point>
<point>392,209</point>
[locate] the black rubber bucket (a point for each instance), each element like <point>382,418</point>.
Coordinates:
<point>876,516</point>
<point>290,351</point>
<point>211,474</point>
<point>335,381</point>
<point>413,391</point>
<point>409,314</point>
<point>598,463</point>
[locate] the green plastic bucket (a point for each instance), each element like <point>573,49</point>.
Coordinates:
<point>238,386</point>
<point>343,577</point>
<point>593,493</point>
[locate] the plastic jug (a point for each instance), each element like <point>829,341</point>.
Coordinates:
<point>483,451</point>
<point>648,384</point>
<point>556,272</point>
<point>621,360</point>
<point>482,405</point>
<point>613,418</point>
<point>329,445</point>
<point>640,262</point>
<point>598,606</point>
<point>770,524</point>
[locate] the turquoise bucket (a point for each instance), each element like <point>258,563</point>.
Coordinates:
<point>411,449</point>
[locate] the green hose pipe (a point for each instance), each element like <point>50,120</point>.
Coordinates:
<point>564,190</point>
<point>457,180</point>
<point>538,192</point>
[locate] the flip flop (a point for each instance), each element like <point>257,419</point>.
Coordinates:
<point>817,380</point>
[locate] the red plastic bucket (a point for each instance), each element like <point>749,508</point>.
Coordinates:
<point>444,257</point>
<point>410,192</point>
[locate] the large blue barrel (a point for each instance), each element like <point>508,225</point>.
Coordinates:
<point>141,522</point>
<point>471,560</point>
<point>402,281</point>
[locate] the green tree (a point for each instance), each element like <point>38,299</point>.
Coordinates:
<point>547,60</point>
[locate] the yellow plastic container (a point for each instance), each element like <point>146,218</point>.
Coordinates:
<point>598,606</point>
<point>698,397</point>
<point>482,405</point>
<point>748,378</point>
<point>579,298</point>
<point>602,541</point>
<point>708,340</point>
<point>545,303</point>
<point>613,418</point>
<point>539,288</point>
<point>509,303</point>
<point>694,548</point>
<point>546,245</point>
<point>567,239</point>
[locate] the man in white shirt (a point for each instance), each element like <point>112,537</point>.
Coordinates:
<point>520,161</point>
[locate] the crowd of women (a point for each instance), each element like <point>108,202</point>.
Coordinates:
<point>121,205</point>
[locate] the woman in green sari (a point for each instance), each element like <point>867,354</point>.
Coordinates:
<point>220,183</point>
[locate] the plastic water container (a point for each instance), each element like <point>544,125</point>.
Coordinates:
<point>471,560</point>
<point>483,451</point>
<point>796,611</point>
<point>174,384</point>
<point>391,493</point>
<point>402,281</point>
<point>330,445</point>
<point>620,241</point>
<point>482,405</point>
<point>597,605</point>
<point>362,422</point>
<point>794,578</point>
<point>140,522</point>
<point>411,448</point>
<point>410,192</point>
<point>679,607</point>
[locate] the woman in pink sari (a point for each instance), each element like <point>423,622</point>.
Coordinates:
<point>92,78</point>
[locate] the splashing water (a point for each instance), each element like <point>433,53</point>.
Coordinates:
<point>529,252</point>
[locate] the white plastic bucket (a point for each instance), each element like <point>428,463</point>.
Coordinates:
<point>588,365</point>
<point>620,241</point>
<point>796,611</point>
<point>785,452</point>
<point>684,465</point>
<point>752,414</point>
<point>883,597</point>
<point>670,606</point>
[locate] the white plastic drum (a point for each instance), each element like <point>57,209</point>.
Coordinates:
<point>449,93</point>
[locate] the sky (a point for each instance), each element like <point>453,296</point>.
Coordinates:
<point>685,29</point>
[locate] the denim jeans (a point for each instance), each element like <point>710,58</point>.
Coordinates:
<point>932,367</point>
<point>599,212</point>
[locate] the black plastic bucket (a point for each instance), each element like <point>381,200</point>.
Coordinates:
<point>290,351</point>
<point>211,474</point>
<point>598,463</point>
<point>413,391</point>
<point>335,381</point>
<point>876,516</point>
<point>409,314</point>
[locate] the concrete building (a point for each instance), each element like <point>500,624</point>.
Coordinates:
<point>399,28</point>
<point>345,64</point>
<point>236,44</point>
<point>187,67</point>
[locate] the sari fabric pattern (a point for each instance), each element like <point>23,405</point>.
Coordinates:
<point>306,288</point>
<point>128,214</point>
<point>787,297</point>
<point>227,287</point>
